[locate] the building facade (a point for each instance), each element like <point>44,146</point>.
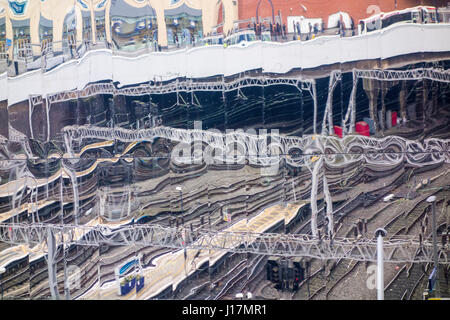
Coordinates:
<point>25,23</point>
<point>32,27</point>
<point>322,9</point>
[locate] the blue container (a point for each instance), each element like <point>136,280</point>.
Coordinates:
<point>126,288</point>
<point>139,284</point>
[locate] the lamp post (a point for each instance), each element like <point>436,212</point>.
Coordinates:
<point>380,234</point>
<point>181,196</point>
<point>2,271</point>
<point>432,200</point>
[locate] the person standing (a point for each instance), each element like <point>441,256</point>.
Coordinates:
<point>299,31</point>
<point>310,30</point>
<point>284,32</point>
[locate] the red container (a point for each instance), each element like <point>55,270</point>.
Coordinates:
<point>362,128</point>
<point>394,118</point>
<point>338,131</point>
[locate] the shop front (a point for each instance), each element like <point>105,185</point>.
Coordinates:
<point>87,29</point>
<point>2,39</point>
<point>100,32</point>
<point>22,39</point>
<point>69,37</point>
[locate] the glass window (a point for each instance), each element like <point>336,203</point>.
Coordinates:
<point>404,17</point>
<point>373,25</point>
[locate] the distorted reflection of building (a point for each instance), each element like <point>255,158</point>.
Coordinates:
<point>22,39</point>
<point>2,38</point>
<point>133,28</point>
<point>69,38</point>
<point>126,24</point>
<point>184,25</point>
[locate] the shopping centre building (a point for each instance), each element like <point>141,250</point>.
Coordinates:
<point>32,27</point>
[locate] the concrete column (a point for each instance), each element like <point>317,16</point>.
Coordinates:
<point>9,35</point>
<point>314,184</point>
<point>57,33</point>
<point>402,100</point>
<point>93,26</point>
<point>383,106</point>
<point>35,17</point>
<point>329,203</point>
<point>426,88</point>
<point>434,97</point>
<point>52,279</point>
<point>314,94</point>
<point>79,26</point>
<point>162,29</point>
<point>371,88</point>
<point>210,14</point>
<point>389,119</point>
<point>231,14</point>
<point>108,22</point>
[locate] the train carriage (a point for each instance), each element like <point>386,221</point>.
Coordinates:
<point>420,14</point>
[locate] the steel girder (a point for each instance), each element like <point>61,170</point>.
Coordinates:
<point>399,249</point>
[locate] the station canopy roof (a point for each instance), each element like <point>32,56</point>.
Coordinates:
<point>122,9</point>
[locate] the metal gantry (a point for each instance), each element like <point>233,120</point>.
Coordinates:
<point>187,85</point>
<point>244,81</point>
<point>400,249</point>
<point>389,150</point>
<point>434,74</point>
